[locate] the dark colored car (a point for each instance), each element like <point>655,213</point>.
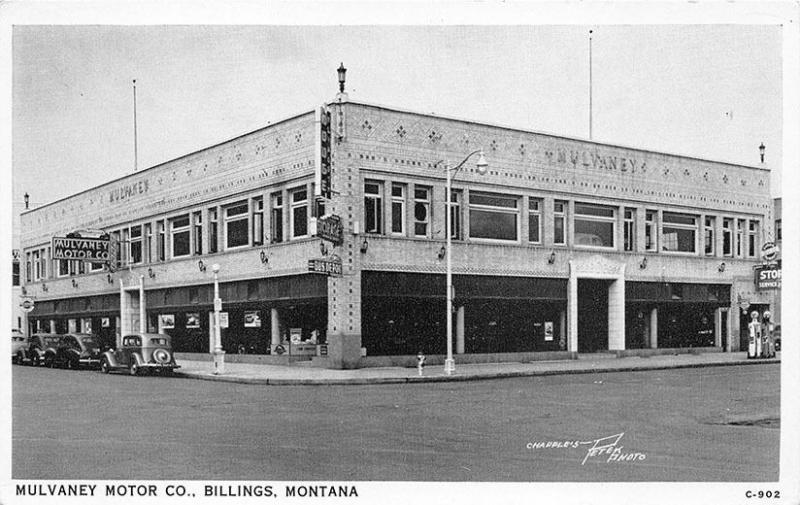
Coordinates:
<point>41,349</point>
<point>146,352</point>
<point>76,350</point>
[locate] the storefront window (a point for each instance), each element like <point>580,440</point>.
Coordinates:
<point>535,220</point>
<point>422,211</point>
<point>398,209</point>
<point>299,213</point>
<point>373,209</point>
<point>179,236</point>
<point>594,225</point>
<point>236,225</point>
<point>679,233</point>
<point>493,216</point>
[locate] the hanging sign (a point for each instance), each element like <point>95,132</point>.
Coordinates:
<point>768,276</point>
<point>27,304</point>
<point>331,228</point>
<point>81,249</point>
<point>769,251</point>
<point>332,267</point>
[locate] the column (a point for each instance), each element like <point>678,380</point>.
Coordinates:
<point>572,308</point>
<point>562,329</point>
<point>275,327</point>
<point>718,327</point>
<point>641,215</point>
<point>52,326</point>
<point>654,328</point>
<point>287,211</point>
<point>460,330</point>
<point>616,315</point>
<point>547,221</point>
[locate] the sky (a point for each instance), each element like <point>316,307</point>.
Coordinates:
<point>709,91</point>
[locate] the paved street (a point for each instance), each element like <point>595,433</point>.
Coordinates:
<point>85,425</point>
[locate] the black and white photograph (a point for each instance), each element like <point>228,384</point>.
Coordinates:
<point>400,252</point>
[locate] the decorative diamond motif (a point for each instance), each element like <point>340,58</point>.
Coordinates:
<point>298,136</point>
<point>238,156</point>
<point>725,178</point>
<point>705,176</point>
<point>493,145</point>
<point>666,172</point>
<point>277,142</point>
<point>434,136</point>
<point>522,149</point>
<point>686,172</point>
<point>401,132</point>
<point>744,182</point>
<point>366,125</point>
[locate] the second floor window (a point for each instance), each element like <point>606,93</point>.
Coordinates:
<point>493,216</point>
<point>752,239</point>
<point>258,221</point>
<point>236,225</point>
<point>727,237</point>
<point>630,230</point>
<point>197,232</point>
<point>679,232</point>
<point>299,198</point>
<point>455,215</point>
<point>650,234</point>
<point>595,225</point>
<point>276,218</point>
<point>373,208</point>
<point>709,236</point>
<point>213,230</point>
<point>135,237</point>
<point>179,236</point>
<point>15,273</point>
<point>422,211</point>
<point>535,220</point>
<point>399,209</point>
<point>560,222</point>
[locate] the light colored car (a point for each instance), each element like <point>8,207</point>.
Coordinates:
<point>145,352</point>
<point>18,345</point>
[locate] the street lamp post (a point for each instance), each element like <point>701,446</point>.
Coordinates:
<point>219,354</point>
<point>449,362</point>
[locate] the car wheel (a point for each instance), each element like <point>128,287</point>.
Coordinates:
<point>49,362</point>
<point>134,368</point>
<point>16,359</point>
<point>35,360</point>
<point>104,366</point>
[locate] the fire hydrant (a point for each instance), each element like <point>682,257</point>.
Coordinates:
<point>420,363</point>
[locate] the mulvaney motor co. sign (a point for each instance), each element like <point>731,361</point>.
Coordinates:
<point>81,249</point>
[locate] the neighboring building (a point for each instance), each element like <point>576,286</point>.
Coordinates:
<point>563,245</point>
<point>17,315</point>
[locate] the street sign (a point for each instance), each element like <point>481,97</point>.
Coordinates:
<point>223,319</point>
<point>27,304</point>
<point>331,228</point>
<point>82,249</point>
<point>768,276</point>
<point>332,267</point>
<point>769,251</point>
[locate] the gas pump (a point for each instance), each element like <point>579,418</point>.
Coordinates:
<point>768,346</point>
<point>754,342</point>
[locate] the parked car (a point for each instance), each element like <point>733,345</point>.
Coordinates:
<point>776,335</point>
<point>76,350</point>
<point>146,352</point>
<point>18,344</point>
<point>41,349</point>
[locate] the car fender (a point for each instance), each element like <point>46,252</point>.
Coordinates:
<point>137,357</point>
<point>112,360</point>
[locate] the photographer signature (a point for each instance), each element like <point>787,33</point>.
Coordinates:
<point>605,447</point>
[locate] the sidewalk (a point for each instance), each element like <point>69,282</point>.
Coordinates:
<point>275,375</point>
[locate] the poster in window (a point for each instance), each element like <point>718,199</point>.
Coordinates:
<point>105,322</point>
<point>548,331</point>
<point>193,320</point>
<point>223,319</point>
<point>167,321</point>
<point>87,325</point>
<point>252,319</point>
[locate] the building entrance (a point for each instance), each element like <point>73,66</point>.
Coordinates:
<point>592,315</point>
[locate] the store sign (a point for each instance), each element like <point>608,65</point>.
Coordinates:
<point>769,251</point>
<point>323,174</point>
<point>768,276</point>
<point>332,267</point>
<point>81,249</point>
<point>26,304</point>
<point>331,228</point>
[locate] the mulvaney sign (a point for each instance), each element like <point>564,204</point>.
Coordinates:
<point>81,249</point>
<point>128,190</point>
<point>596,161</point>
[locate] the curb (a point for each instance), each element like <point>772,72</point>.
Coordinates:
<point>456,378</point>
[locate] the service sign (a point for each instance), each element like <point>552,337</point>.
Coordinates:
<point>769,251</point>
<point>768,276</point>
<point>331,228</point>
<point>81,249</point>
<point>325,266</point>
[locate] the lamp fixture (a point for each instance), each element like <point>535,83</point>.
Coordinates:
<point>109,279</point>
<point>151,273</point>
<point>74,283</point>
<point>364,246</point>
<point>322,249</point>
<point>201,266</point>
<point>552,258</point>
<point>342,74</point>
<point>28,199</point>
<point>643,263</point>
<point>721,267</point>
<point>264,258</point>
<point>442,253</point>
<point>761,149</point>
<point>44,287</point>
<point>24,291</point>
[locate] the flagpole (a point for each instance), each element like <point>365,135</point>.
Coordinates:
<point>135,138</point>
<point>590,84</point>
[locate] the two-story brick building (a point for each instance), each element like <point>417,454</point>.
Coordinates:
<point>562,245</point>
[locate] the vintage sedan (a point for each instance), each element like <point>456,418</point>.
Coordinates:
<point>41,349</point>
<point>18,345</point>
<point>76,350</point>
<point>145,352</point>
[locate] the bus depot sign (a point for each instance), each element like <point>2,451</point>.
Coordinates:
<point>332,267</point>
<point>768,276</point>
<point>95,250</point>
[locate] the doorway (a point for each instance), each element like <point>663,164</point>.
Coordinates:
<point>592,315</point>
